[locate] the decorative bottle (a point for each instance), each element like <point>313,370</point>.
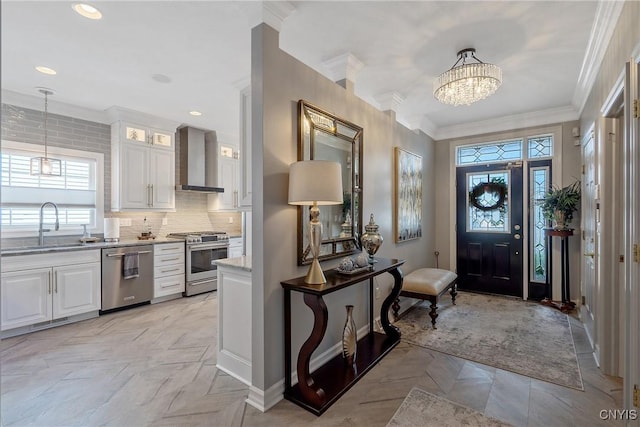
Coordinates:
<point>371,239</point>
<point>349,337</point>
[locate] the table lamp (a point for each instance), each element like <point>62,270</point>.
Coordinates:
<point>313,183</point>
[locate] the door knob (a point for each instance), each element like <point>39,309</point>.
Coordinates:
<point>516,236</point>
<point>591,254</point>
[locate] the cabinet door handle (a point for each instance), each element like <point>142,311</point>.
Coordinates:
<point>55,283</point>
<point>170,270</point>
<point>151,194</point>
<point>122,253</point>
<point>170,259</point>
<point>49,284</point>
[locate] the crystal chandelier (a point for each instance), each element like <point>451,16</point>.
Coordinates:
<point>467,83</point>
<point>45,165</point>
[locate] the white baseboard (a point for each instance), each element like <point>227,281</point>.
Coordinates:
<point>235,375</point>
<point>264,400</point>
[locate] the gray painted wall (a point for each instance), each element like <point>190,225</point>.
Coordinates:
<point>626,38</point>
<point>278,82</point>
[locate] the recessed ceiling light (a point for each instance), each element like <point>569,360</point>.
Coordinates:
<point>87,11</point>
<point>46,70</point>
<point>161,78</point>
<point>195,113</point>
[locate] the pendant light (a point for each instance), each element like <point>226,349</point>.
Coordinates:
<point>467,82</point>
<point>46,165</point>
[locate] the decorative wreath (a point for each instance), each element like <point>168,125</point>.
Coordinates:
<point>497,188</point>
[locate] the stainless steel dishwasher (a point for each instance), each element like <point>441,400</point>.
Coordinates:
<point>119,291</point>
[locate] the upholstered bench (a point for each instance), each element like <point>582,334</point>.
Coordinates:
<point>428,284</point>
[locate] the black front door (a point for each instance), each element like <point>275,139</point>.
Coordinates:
<point>489,228</point>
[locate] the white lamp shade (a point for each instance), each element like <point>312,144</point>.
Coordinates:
<point>317,181</point>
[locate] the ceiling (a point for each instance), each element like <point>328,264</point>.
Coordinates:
<point>167,58</point>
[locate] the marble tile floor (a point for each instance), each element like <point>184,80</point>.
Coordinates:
<point>156,366</point>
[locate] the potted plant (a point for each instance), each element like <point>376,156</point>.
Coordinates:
<point>559,204</point>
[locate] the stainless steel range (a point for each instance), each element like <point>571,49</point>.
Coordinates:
<point>202,249</point>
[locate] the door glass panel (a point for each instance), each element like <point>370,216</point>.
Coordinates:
<point>490,153</point>
<point>540,146</point>
<point>539,186</point>
<point>489,212</point>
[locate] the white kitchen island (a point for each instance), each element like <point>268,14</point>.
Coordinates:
<point>234,317</point>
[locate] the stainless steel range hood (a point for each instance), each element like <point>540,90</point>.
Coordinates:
<point>198,161</point>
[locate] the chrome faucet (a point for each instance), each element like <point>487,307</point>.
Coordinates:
<point>41,230</point>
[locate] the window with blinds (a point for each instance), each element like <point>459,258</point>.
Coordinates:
<point>77,192</point>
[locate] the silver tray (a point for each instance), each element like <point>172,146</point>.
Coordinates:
<point>354,271</point>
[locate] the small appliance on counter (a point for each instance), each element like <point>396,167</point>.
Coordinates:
<point>111,229</point>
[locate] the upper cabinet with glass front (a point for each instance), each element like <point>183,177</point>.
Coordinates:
<point>140,134</point>
<point>142,165</point>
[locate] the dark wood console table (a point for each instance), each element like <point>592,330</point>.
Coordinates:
<point>567,305</point>
<point>317,392</point>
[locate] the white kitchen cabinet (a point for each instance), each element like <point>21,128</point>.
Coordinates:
<point>26,297</point>
<point>244,185</point>
<point>74,289</point>
<point>140,134</point>
<point>39,290</point>
<point>228,169</point>
<point>143,168</point>
<point>168,269</point>
<point>235,247</point>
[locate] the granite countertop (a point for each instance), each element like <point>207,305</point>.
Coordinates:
<point>243,262</point>
<point>28,250</point>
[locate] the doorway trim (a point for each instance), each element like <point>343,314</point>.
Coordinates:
<point>556,130</point>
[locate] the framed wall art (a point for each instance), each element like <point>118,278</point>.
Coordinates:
<point>408,195</point>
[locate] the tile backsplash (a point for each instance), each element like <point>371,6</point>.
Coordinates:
<point>190,215</point>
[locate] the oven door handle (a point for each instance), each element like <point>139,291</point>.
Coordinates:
<point>201,282</point>
<point>207,246</point>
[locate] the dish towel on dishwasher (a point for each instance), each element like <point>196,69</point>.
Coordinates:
<point>130,263</point>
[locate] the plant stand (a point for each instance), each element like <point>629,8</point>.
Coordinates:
<point>567,305</point>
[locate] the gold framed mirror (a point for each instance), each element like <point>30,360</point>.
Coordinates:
<point>324,136</point>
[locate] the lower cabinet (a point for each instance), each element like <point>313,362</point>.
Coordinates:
<point>235,247</point>
<point>168,269</point>
<point>48,287</point>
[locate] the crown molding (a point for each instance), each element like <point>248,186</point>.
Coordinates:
<point>604,23</point>
<point>515,121</point>
<point>272,13</point>
<point>389,101</point>
<point>344,66</point>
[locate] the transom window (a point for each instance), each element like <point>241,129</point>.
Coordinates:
<point>78,192</point>
<point>505,151</point>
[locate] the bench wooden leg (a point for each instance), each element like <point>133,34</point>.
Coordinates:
<point>453,293</point>
<point>433,312</point>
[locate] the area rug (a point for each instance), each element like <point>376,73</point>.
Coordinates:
<point>526,338</point>
<point>420,408</point>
